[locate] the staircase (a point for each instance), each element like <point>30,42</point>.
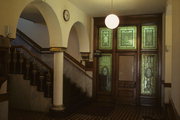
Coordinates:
<point>22,61</point>
<point>24,65</point>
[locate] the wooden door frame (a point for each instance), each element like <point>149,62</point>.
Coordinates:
<point>137,20</point>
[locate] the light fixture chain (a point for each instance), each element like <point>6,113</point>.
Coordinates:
<point>111,6</point>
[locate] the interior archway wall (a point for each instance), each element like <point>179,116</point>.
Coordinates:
<point>73,45</point>
<point>78,41</point>
<point>52,11</point>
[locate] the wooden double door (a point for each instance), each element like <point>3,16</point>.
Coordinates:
<point>128,61</point>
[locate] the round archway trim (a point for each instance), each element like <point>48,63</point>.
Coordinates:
<point>50,16</point>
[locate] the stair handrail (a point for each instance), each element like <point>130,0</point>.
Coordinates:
<point>33,44</point>
<point>76,63</point>
<point>34,56</point>
<point>41,50</point>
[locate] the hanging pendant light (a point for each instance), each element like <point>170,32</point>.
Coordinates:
<point>112,20</point>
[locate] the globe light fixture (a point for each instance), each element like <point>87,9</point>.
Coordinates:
<point>112,21</point>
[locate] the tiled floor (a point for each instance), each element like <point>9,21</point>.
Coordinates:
<point>96,112</point>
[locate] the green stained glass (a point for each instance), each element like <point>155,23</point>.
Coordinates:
<point>148,74</point>
<point>105,72</point>
<point>105,38</point>
<point>149,37</point>
<point>127,37</point>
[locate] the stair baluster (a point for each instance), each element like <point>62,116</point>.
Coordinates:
<point>27,70</point>
<point>21,60</point>
<point>41,81</point>
<point>13,61</point>
<point>48,85</point>
<point>34,73</point>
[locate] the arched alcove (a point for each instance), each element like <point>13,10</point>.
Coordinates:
<point>73,44</point>
<point>81,35</point>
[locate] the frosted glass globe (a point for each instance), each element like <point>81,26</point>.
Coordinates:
<point>111,21</point>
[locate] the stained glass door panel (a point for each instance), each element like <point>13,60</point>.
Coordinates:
<point>127,37</point>
<point>105,72</point>
<point>148,74</point>
<point>105,38</point>
<point>149,37</point>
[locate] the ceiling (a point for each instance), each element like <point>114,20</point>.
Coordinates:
<point>100,8</point>
<point>97,8</point>
<point>31,13</point>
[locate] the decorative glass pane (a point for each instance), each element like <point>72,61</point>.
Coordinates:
<point>148,74</point>
<point>126,37</point>
<point>105,72</point>
<point>149,37</point>
<point>105,38</point>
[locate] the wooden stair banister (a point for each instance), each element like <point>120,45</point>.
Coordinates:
<point>34,56</point>
<point>34,45</point>
<point>34,69</point>
<point>41,50</point>
<point>76,63</point>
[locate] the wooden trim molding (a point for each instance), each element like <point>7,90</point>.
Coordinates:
<point>30,42</point>
<point>51,50</point>
<point>85,56</point>
<point>76,63</point>
<point>168,85</point>
<point>34,56</point>
<point>57,49</point>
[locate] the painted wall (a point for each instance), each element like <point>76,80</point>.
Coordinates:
<point>37,32</point>
<point>52,11</point>
<point>168,49</point>
<point>176,54</point>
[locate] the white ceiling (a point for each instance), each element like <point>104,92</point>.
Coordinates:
<point>97,8</point>
<point>100,8</point>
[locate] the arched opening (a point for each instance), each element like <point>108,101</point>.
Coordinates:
<point>73,47</point>
<point>84,45</point>
<point>31,70</point>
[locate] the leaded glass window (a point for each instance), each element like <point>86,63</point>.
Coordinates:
<point>149,37</point>
<point>105,38</point>
<point>126,37</point>
<point>148,74</point>
<point>105,72</point>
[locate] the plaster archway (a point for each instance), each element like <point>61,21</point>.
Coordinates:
<point>51,20</point>
<point>84,43</point>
